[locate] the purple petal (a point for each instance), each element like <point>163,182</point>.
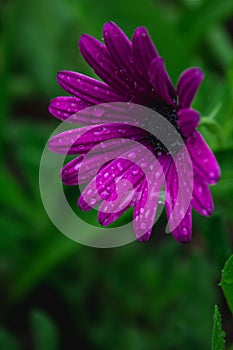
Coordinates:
<point>161,82</point>
<point>69,172</point>
<point>87,89</point>
<point>179,189</point>
<point>63,107</point>
<point>202,200</point>
<point>118,45</point>
<point>183,232</point>
<point>111,211</point>
<point>146,205</point>
<point>82,140</point>
<point>121,52</point>
<point>85,167</point>
<point>104,185</point>
<point>144,50</point>
<point>171,188</point>
<point>94,115</point>
<point>188,85</point>
<point>188,120</point>
<point>98,57</point>
<point>108,218</point>
<point>204,161</point>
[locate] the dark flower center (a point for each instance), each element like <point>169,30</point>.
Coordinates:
<point>169,112</point>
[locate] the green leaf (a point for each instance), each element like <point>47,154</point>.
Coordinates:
<point>44,331</point>
<point>218,337</point>
<point>211,124</point>
<point>42,263</point>
<point>198,21</point>
<point>227,282</point>
<point>7,341</point>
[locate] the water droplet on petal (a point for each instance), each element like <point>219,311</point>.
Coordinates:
<point>122,131</point>
<point>185,231</point>
<point>105,194</point>
<point>135,172</point>
<point>143,225</point>
<point>132,155</point>
<point>119,166</point>
<point>211,174</point>
<point>92,201</point>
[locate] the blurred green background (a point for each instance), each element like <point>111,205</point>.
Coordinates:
<point>57,294</point>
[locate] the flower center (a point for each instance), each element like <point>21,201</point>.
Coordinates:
<point>172,139</point>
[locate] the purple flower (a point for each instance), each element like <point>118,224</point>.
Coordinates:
<point>132,71</point>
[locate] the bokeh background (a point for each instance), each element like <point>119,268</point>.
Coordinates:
<point>55,293</point>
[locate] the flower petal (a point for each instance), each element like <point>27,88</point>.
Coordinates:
<point>111,211</point>
<point>82,140</point>
<point>183,232</point>
<point>205,163</point>
<point>87,89</point>
<point>98,57</point>
<point>63,107</point>
<point>202,200</point>
<point>161,82</point>
<point>179,189</point>
<point>118,45</point>
<point>108,218</point>
<point>179,214</point>
<point>103,186</point>
<point>69,173</point>
<point>146,205</point>
<point>85,167</point>
<point>144,50</point>
<point>188,120</point>
<point>121,52</point>
<point>188,85</point>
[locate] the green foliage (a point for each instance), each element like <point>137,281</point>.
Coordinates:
<point>227,282</point>
<point>44,331</point>
<point>218,339</point>
<point>7,341</point>
<point>141,296</point>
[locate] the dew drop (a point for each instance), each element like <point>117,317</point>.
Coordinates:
<point>204,212</point>
<point>105,194</point>
<point>122,131</point>
<point>143,225</point>
<point>76,167</point>
<point>92,201</point>
<point>143,164</point>
<point>132,155</point>
<point>151,167</point>
<point>135,172</point>
<point>119,166</point>
<point>211,174</point>
<point>185,231</point>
